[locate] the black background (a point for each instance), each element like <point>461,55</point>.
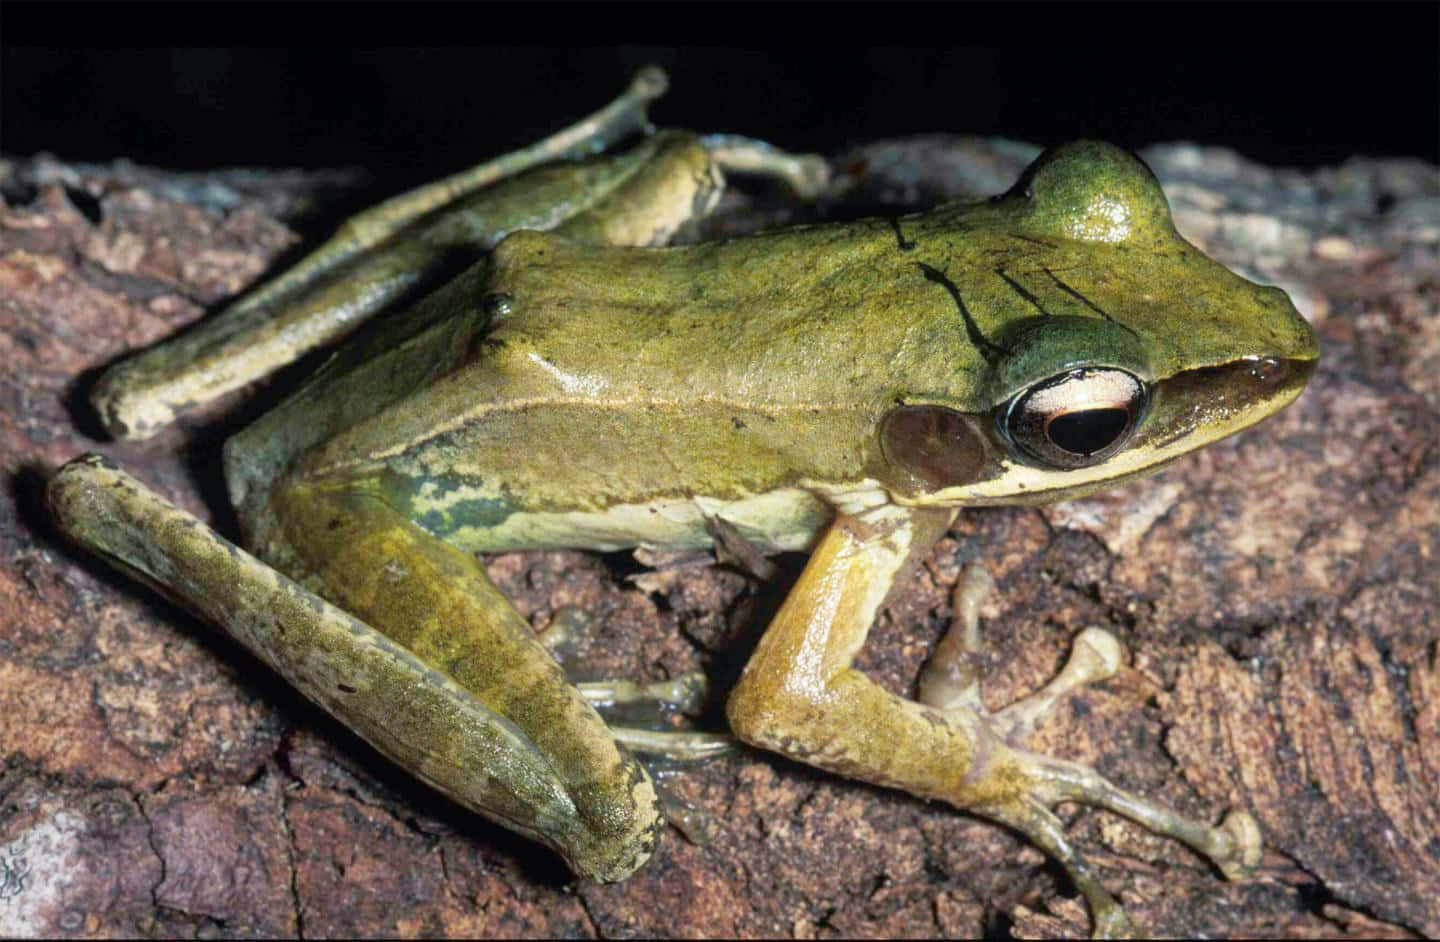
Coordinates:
<point>386,87</point>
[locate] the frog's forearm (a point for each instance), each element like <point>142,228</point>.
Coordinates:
<point>800,696</point>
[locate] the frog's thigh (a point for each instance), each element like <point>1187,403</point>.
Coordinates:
<point>438,603</point>
<point>389,251</point>
<point>800,696</point>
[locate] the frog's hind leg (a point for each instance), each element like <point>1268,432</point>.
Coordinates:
<point>647,705</point>
<point>455,688</point>
<point>807,175</point>
<point>376,258</point>
<point>664,752</point>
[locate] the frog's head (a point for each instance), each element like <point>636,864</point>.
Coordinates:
<point>1108,345</point>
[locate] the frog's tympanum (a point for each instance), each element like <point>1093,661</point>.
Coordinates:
<point>549,375</point>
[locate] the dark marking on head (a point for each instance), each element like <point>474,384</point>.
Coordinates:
<point>1226,390</point>
<point>902,243</point>
<point>987,349</point>
<point>1085,301</point>
<point>1020,290</point>
<point>1031,239</point>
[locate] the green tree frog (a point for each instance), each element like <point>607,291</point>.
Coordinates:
<point>549,374</point>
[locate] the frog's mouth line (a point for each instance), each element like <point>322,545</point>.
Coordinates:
<point>1187,411</point>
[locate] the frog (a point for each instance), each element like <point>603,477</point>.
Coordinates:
<point>523,361</point>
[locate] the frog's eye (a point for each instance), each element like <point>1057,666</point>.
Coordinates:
<point>1077,418</point>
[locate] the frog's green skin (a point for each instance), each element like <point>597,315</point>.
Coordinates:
<point>841,389</point>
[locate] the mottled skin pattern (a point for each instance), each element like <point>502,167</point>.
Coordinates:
<point>843,389</point>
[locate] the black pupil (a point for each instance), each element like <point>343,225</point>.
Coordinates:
<point>1087,431</point>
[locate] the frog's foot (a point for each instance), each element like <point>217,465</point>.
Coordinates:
<point>646,704</point>
<point>698,826</point>
<point>806,175</point>
<point>683,694</point>
<point>951,680</point>
<point>951,684</point>
<point>1027,786</point>
<point>801,695</point>
<point>1096,655</point>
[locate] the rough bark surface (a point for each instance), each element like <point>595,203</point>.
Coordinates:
<point>1278,592</point>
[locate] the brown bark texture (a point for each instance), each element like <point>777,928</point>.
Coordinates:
<point>1278,594</point>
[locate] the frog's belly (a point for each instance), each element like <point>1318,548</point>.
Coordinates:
<point>780,520</point>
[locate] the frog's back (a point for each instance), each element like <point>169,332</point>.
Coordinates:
<point>577,395</point>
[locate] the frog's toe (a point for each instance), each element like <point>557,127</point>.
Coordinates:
<point>1021,788</point>
<point>1234,846</point>
<point>1100,652</point>
<point>807,175</point>
<point>1112,923</point>
<point>569,629</point>
<point>568,637</point>
<point>1032,817</point>
<point>1095,655</point>
<point>951,678</point>
<point>1241,858</point>
<point>697,825</point>
<point>685,693</point>
<point>676,745</point>
<point>641,716</point>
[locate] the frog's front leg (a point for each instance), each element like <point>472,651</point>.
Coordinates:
<point>951,679</point>
<point>800,696</point>
<point>453,686</point>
